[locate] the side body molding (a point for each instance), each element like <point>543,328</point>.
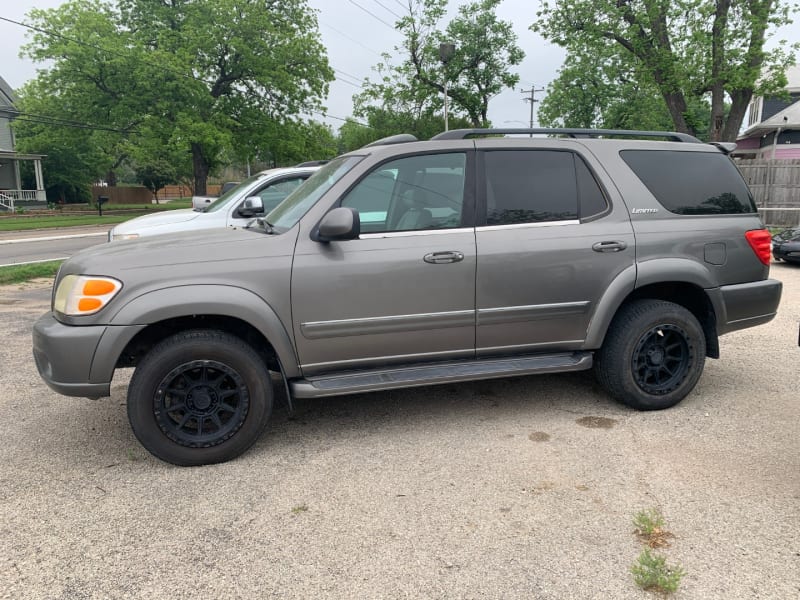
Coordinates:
<point>182,301</point>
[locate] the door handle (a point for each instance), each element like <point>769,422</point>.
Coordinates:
<point>441,258</point>
<point>615,246</point>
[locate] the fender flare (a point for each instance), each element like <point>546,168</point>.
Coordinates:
<point>639,275</point>
<point>186,301</point>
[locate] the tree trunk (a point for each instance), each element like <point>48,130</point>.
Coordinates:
<point>676,104</point>
<point>740,99</point>
<point>111,179</point>
<point>200,168</point>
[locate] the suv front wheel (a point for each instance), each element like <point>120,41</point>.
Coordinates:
<point>199,397</point>
<point>653,354</point>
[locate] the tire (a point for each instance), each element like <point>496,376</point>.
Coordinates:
<point>653,355</point>
<point>199,397</point>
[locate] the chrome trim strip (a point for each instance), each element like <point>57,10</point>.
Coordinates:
<point>527,225</point>
<point>764,316</point>
<point>314,330</point>
<point>534,312</point>
<point>419,232</point>
<point>399,358</point>
<point>522,346</point>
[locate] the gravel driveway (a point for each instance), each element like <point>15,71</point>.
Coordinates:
<point>517,488</point>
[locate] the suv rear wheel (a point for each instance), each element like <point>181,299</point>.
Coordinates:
<point>653,354</point>
<point>199,397</point>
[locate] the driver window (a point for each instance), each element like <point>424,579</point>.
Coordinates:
<point>411,194</point>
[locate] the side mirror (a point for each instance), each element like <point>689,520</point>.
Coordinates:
<point>339,224</point>
<point>252,206</point>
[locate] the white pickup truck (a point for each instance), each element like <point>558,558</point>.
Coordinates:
<point>253,197</point>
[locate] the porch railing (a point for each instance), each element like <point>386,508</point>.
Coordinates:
<point>9,197</point>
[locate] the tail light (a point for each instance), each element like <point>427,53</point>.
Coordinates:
<point>760,241</point>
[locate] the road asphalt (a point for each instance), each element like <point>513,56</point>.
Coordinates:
<point>515,488</point>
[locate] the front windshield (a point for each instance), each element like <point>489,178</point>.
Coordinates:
<point>223,200</point>
<point>296,204</point>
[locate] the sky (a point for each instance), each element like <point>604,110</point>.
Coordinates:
<point>356,33</point>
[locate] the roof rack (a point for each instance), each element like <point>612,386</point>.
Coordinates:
<point>400,138</point>
<point>460,134</point>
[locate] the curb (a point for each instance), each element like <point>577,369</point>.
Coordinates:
<point>51,238</point>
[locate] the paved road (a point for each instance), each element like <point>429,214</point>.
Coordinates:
<point>47,244</point>
<point>517,488</point>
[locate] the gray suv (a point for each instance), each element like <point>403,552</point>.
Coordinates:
<point>474,255</point>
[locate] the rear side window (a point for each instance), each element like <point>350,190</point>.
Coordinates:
<point>692,183</point>
<point>535,186</point>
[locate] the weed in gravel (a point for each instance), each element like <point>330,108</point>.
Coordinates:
<point>301,508</point>
<point>649,526</point>
<point>651,572</point>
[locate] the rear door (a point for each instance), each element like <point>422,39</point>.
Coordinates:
<point>550,240</point>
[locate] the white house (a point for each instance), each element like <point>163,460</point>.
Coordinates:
<point>773,125</point>
<point>11,192</point>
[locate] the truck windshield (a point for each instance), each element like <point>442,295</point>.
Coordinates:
<point>296,204</point>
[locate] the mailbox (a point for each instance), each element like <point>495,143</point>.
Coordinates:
<point>100,201</point>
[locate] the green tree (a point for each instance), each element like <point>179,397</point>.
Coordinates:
<point>688,50</point>
<point>597,91</point>
<point>485,52</point>
<point>206,75</point>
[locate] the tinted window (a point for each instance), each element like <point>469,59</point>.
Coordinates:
<point>691,183</point>
<point>530,186</point>
<point>411,193</point>
<point>592,200</point>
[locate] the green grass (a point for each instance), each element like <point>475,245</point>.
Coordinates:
<point>651,572</point>
<point>67,219</point>
<point>45,222</point>
<point>648,521</point>
<point>18,274</point>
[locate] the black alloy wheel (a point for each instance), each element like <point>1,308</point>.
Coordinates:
<point>201,403</point>
<point>199,397</point>
<point>661,359</point>
<point>653,354</point>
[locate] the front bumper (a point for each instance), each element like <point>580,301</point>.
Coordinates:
<point>64,356</point>
<point>747,304</point>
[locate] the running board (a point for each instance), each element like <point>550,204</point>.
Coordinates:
<point>372,380</point>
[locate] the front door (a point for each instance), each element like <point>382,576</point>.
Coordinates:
<point>404,292</point>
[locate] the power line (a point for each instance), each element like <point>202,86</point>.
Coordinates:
<point>353,77</point>
<point>352,39</point>
<point>386,8</point>
<point>369,12</point>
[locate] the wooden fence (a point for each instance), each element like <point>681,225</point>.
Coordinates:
<point>141,195</point>
<point>776,188</point>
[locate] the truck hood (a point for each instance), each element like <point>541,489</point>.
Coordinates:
<point>167,217</point>
<point>191,254</point>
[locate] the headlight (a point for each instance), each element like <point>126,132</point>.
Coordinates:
<point>79,295</point>
<point>121,236</point>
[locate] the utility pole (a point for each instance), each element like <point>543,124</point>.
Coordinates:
<point>532,100</point>
<point>446,52</point>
